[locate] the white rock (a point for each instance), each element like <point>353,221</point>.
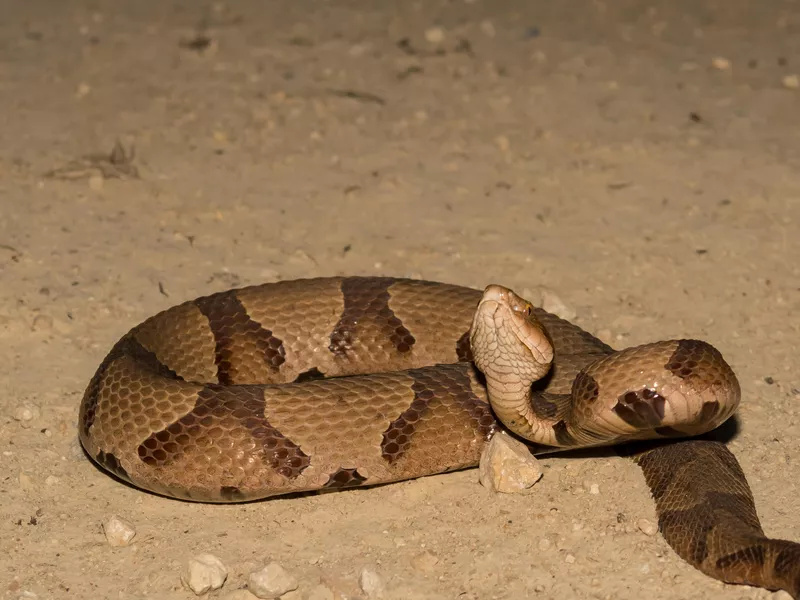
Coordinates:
<point>26,412</point>
<point>487,27</point>
<point>555,305</point>
<point>371,583</point>
<point>646,527</point>
<point>321,593</point>
<point>434,35</point>
<point>118,531</point>
<point>545,544</point>
<point>721,63</point>
<point>203,573</point>
<point>271,582</point>
<point>791,82</point>
<point>507,466</point>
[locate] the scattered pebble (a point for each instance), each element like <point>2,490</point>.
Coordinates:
<point>119,532</point>
<point>791,82</point>
<point>321,593</point>
<point>425,561</point>
<point>594,489</point>
<point>371,583</point>
<point>26,483</point>
<point>569,558</point>
<point>434,35</point>
<point>723,64</point>
<point>96,182</point>
<point>553,304</point>
<point>273,581</point>
<point>83,90</point>
<point>51,480</point>
<point>647,527</point>
<point>544,544</point>
<point>503,143</point>
<point>203,573</point>
<point>487,27</point>
<point>507,466</point>
<point>25,413</point>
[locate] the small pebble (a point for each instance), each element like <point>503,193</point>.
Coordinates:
<point>26,413</point>
<point>119,532</point>
<point>273,581</point>
<point>424,561</point>
<point>203,573</point>
<point>553,304</point>
<point>434,35</point>
<point>83,90</point>
<point>723,64</point>
<point>646,527</point>
<point>570,559</point>
<point>507,466</point>
<point>371,583</point>
<point>594,489</point>
<point>96,183</point>
<point>503,143</point>
<point>544,544</point>
<point>26,483</point>
<point>51,480</point>
<point>321,593</point>
<point>791,82</point>
<point>487,27</point>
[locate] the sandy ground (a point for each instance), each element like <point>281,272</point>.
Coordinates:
<point>594,148</point>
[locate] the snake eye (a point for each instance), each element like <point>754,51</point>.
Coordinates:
<point>528,310</point>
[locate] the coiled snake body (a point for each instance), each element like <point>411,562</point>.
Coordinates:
<point>230,397</point>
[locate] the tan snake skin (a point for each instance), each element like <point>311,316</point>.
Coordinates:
<point>189,404</point>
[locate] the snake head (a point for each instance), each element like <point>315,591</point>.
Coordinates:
<point>507,339</point>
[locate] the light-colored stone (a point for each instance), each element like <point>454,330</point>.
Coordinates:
<point>507,466</point>
<point>273,581</point>
<point>371,583</point>
<point>26,412</point>
<point>720,63</point>
<point>647,527</point>
<point>203,573</point>
<point>434,35</point>
<point>118,531</point>
<point>791,82</point>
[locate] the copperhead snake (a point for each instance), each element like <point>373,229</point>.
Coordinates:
<point>353,381</point>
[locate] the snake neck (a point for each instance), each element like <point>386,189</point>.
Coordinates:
<point>511,398</point>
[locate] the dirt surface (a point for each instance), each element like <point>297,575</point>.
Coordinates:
<point>638,159</point>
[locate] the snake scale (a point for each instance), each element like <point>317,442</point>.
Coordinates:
<point>353,381</point>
